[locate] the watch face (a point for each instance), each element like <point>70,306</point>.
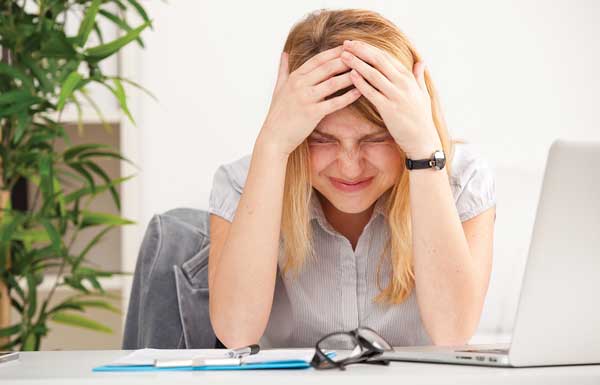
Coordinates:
<point>440,159</point>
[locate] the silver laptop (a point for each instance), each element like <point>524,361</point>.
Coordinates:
<point>558,315</point>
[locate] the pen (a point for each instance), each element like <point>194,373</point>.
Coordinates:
<point>245,351</point>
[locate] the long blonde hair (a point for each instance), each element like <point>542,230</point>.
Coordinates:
<point>319,31</point>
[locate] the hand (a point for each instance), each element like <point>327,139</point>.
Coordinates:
<point>401,97</point>
<point>298,99</point>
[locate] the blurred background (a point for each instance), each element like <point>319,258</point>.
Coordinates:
<point>512,76</point>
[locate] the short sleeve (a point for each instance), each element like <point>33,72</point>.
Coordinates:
<point>472,181</point>
<point>227,188</point>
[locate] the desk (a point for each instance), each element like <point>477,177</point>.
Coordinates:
<point>74,367</point>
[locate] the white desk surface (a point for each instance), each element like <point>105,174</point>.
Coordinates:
<point>75,367</point>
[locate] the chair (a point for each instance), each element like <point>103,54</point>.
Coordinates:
<point>168,306</point>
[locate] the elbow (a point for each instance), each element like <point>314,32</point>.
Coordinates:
<point>454,334</point>
<point>233,333</point>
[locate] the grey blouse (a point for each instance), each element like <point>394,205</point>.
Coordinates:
<point>335,291</point>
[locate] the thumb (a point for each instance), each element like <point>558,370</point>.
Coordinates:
<point>283,71</point>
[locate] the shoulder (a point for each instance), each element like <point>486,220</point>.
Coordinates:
<point>227,188</point>
<point>472,181</point>
<point>234,173</point>
<point>466,162</point>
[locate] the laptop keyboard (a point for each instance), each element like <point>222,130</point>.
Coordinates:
<point>492,351</point>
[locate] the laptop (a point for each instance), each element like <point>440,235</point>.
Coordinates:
<point>558,314</point>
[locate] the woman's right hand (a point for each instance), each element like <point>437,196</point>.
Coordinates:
<point>298,102</point>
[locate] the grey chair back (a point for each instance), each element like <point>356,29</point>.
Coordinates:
<point>168,306</point>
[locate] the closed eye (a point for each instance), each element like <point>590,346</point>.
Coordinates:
<point>377,140</point>
<point>321,140</point>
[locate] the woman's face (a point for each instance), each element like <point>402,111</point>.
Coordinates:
<point>353,161</point>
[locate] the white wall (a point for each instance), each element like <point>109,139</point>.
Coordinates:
<point>512,76</point>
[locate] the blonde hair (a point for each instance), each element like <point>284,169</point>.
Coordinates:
<point>319,31</point>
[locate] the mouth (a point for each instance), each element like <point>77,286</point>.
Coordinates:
<point>350,186</point>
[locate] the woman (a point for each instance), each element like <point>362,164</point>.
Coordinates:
<point>332,230</point>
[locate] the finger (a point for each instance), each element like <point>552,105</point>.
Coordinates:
<point>419,73</point>
<point>377,58</point>
<point>331,85</point>
<point>283,72</point>
<point>366,89</point>
<point>319,59</point>
<point>371,74</point>
<point>331,105</point>
<point>325,71</point>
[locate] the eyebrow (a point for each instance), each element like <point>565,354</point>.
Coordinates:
<point>368,136</point>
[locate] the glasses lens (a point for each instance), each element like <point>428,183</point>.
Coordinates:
<point>340,347</point>
<point>374,339</point>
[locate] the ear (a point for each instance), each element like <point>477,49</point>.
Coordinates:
<point>419,73</point>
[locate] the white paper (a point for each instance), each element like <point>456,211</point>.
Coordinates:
<point>148,356</point>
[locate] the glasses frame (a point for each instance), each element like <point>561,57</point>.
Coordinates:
<point>369,351</point>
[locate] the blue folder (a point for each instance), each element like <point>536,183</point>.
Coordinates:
<point>291,364</point>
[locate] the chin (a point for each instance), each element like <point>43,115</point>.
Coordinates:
<point>349,205</point>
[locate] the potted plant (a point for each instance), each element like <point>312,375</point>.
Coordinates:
<point>43,70</point>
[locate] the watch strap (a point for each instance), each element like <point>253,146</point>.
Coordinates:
<point>419,164</point>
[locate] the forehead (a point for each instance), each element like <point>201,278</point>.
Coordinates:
<point>346,122</point>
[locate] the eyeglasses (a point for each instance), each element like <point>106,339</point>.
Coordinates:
<point>359,346</point>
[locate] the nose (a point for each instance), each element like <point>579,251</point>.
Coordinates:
<point>350,162</point>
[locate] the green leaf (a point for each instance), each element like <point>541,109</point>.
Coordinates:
<point>105,154</point>
<point>80,321</point>
<point>67,89</point>
<point>138,86</point>
<point>75,282</point>
<point>32,235</point>
<point>24,120</point>
<point>31,295</point>
<point>90,100</point>
<point>99,188</point>
<point>46,171</point>
<point>120,23</point>
<point>95,54</point>
<point>99,305</point>
<point>81,170</point>
<point>9,331</point>
<point>16,96</point>
<point>19,108</point>
<point>39,74</point>
<point>119,93</point>
<point>96,218</point>
<point>140,10</point>
<point>57,45</point>
<point>76,150</point>
<point>102,174</point>
<point>14,73</point>
<point>53,235</point>
<point>87,24</point>
<point>89,246</point>
<point>99,33</point>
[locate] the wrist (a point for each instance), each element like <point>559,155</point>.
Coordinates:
<point>265,143</point>
<point>423,151</point>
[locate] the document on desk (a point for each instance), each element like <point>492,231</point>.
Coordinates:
<point>146,359</point>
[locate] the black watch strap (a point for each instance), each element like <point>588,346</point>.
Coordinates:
<point>437,162</point>
<point>418,164</point>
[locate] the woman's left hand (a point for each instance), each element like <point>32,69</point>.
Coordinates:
<point>401,97</point>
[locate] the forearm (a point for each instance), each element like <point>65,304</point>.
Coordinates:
<point>446,277</point>
<point>242,287</point>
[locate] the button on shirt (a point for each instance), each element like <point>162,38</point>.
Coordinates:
<point>335,290</point>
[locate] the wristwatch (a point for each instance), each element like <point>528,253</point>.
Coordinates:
<point>437,161</point>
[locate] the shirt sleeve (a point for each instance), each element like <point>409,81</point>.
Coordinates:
<point>227,188</point>
<point>472,181</point>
